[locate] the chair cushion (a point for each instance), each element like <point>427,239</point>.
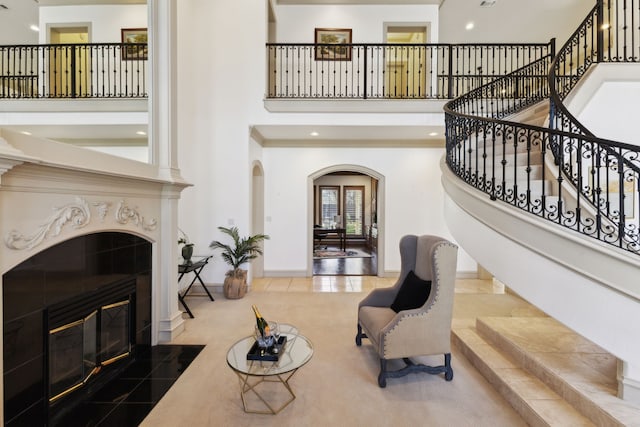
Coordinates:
<point>413,293</point>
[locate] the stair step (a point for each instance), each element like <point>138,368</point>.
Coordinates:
<point>536,403</point>
<point>535,158</point>
<point>582,373</point>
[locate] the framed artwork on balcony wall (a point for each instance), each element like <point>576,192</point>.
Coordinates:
<point>135,51</point>
<point>340,37</point>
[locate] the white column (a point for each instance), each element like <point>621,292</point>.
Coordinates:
<point>167,317</point>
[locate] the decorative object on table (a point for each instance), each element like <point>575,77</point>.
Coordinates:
<point>243,250</point>
<point>269,344</point>
<point>187,249</point>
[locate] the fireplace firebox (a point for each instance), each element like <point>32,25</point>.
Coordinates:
<point>88,333</point>
<point>75,315</point>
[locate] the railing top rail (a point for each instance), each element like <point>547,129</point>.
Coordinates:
<point>553,78</point>
<point>32,46</point>
<point>419,44</point>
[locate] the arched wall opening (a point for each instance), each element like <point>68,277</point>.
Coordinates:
<point>380,208</point>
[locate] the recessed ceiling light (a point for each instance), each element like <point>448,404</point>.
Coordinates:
<point>24,132</point>
<point>34,27</point>
<point>433,134</point>
<point>469,26</point>
<point>314,133</point>
<point>141,132</point>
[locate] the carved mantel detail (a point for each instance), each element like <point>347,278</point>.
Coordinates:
<point>124,214</point>
<point>77,215</point>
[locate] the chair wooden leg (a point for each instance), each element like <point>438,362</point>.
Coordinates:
<point>382,377</point>
<point>448,373</point>
<point>359,336</point>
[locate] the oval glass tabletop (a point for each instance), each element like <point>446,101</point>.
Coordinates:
<point>297,351</point>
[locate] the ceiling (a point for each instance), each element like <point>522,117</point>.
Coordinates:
<point>349,136</point>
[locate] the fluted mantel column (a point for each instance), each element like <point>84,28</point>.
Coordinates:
<point>163,151</point>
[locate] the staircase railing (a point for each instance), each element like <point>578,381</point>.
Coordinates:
<point>390,71</point>
<point>92,70</point>
<point>530,166</point>
<point>604,173</point>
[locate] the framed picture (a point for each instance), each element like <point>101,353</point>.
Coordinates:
<point>340,37</point>
<point>137,51</point>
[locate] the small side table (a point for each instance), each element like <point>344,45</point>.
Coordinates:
<point>196,268</point>
<point>253,373</point>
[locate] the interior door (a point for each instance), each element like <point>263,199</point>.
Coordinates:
<point>406,66</point>
<point>69,64</point>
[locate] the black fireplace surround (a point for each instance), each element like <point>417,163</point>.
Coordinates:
<point>85,266</point>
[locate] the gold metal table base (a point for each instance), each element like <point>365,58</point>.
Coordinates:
<point>246,387</point>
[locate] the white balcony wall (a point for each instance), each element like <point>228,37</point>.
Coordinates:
<point>104,21</point>
<point>297,23</point>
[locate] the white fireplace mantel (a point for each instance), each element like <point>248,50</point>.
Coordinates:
<point>52,192</point>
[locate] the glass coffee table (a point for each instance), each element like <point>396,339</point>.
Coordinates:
<point>255,374</point>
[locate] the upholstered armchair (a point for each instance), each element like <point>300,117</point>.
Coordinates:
<point>413,317</point>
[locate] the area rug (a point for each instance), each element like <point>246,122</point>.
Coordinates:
<point>338,387</point>
<point>334,253</point>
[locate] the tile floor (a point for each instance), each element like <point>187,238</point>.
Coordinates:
<point>127,400</point>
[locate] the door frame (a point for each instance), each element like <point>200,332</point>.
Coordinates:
<point>380,210</point>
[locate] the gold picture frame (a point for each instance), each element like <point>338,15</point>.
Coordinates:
<point>340,37</point>
<point>135,51</point>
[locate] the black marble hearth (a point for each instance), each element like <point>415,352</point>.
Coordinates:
<point>70,270</point>
<point>127,399</point>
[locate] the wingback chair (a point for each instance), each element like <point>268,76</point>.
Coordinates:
<point>399,322</point>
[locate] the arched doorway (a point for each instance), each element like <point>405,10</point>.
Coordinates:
<point>354,202</point>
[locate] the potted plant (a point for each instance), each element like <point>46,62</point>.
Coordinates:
<point>187,249</point>
<point>243,250</point>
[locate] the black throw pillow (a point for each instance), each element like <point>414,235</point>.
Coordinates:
<point>413,293</point>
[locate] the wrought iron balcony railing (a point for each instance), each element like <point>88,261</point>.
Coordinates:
<point>391,71</point>
<point>93,70</point>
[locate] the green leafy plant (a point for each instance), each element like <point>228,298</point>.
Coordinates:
<point>184,239</point>
<point>243,249</point>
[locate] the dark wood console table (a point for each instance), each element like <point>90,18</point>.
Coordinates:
<point>196,268</point>
<point>323,233</point>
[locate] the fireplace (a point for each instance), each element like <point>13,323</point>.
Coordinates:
<point>87,334</point>
<point>75,315</point>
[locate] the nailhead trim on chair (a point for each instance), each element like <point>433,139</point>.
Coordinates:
<point>436,272</point>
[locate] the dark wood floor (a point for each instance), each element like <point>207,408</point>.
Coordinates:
<point>346,266</point>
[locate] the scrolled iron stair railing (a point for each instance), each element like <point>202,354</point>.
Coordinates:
<point>560,172</point>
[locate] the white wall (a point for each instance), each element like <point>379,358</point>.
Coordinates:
<point>296,23</point>
<point>105,21</point>
<point>606,102</point>
<point>220,97</point>
<point>413,199</point>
